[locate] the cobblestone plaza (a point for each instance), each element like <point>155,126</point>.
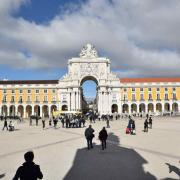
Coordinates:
<point>62,154</point>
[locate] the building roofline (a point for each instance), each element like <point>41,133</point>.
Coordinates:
<point>150,79</point>
<point>2,82</point>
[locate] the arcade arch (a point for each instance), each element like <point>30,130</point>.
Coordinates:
<point>45,111</point>
<point>142,108</point>
<point>28,111</point>
<point>175,107</point>
<point>64,108</point>
<point>20,111</point>
<point>114,108</point>
<point>12,110</point>
<point>4,110</point>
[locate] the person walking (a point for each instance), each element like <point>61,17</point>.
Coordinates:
<point>89,136</point>
<point>50,122</point>
<point>37,120</point>
<point>133,132</point>
<point>107,122</point>
<point>43,123</point>
<point>103,137</point>
<point>146,125</point>
<point>29,170</point>
<point>5,124</point>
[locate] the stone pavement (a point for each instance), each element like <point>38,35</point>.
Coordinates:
<point>62,154</point>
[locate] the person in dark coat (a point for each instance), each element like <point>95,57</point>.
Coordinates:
<point>103,137</point>
<point>5,125</point>
<point>89,136</point>
<point>37,120</point>
<point>146,125</point>
<point>133,131</point>
<point>29,170</point>
<point>43,123</point>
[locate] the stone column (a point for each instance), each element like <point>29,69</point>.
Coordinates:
<point>154,104</point>
<point>72,100</point>
<point>33,110</point>
<point>8,110</point>
<point>41,114</point>
<point>137,107</point>
<point>146,108</point>
<point>162,107</point>
<point>99,102</point>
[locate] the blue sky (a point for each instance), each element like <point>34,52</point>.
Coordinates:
<point>37,37</point>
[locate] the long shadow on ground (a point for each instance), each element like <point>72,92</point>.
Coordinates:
<point>114,163</point>
<point>173,169</point>
<point>2,175</point>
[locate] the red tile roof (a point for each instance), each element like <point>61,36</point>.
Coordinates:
<point>144,80</point>
<point>29,82</point>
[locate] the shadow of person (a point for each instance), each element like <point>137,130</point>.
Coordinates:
<point>2,175</point>
<point>113,163</point>
<point>174,169</point>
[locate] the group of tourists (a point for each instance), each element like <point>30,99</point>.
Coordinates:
<point>131,128</point>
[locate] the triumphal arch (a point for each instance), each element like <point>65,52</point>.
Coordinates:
<point>89,66</point>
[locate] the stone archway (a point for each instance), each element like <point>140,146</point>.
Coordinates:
<point>64,108</point>
<point>37,110</point>
<point>12,110</point>
<point>175,107</point>
<point>28,111</point>
<point>4,110</point>
<point>89,66</point>
<point>166,107</point>
<point>133,108</point>
<point>150,107</point>
<point>159,107</point>
<point>125,108</point>
<point>45,111</point>
<point>142,108</point>
<point>53,108</point>
<point>20,111</point>
<point>114,108</point>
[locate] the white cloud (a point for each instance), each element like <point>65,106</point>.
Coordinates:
<point>140,37</point>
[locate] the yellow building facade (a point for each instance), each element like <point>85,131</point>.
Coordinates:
<point>150,95</point>
<point>31,97</point>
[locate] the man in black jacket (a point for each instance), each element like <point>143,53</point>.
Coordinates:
<point>89,136</point>
<point>5,124</point>
<point>29,170</point>
<point>103,137</point>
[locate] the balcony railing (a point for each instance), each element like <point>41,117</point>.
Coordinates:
<point>158,99</point>
<point>3,101</point>
<point>142,100</point>
<point>37,101</point>
<point>12,101</point>
<point>20,101</point>
<point>45,101</point>
<point>150,99</point>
